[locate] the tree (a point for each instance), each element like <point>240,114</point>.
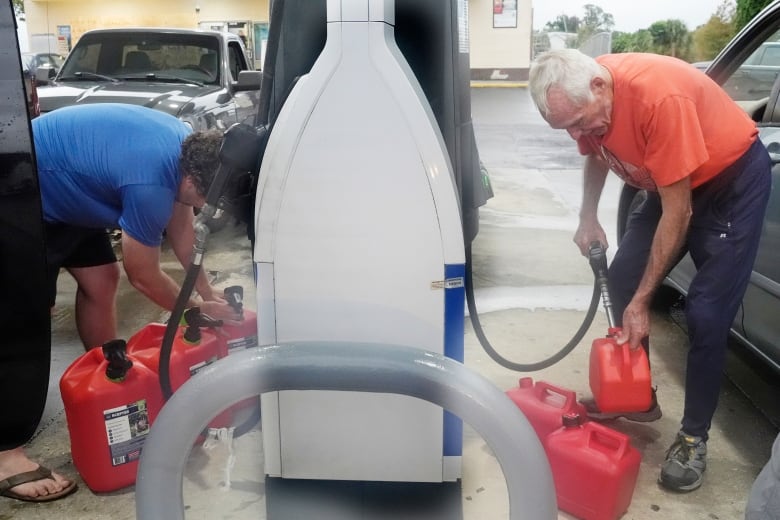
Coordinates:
<point>563,23</point>
<point>594,21</point>
<point>640,41</point>
<point>747,9</point>
<point>18,7</point>
<point>671,37</point>
<point>711,37</point>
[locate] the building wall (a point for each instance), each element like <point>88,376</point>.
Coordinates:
<point>496,52</point>
<point>50,16</point>
<point>502,53</point>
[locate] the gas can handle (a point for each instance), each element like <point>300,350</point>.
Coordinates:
<point>608,438</point>
<point>625,353</point>
<point>628,372</point>
<point>569,396</point>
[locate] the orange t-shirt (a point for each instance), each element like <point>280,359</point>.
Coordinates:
<point>669,121</point>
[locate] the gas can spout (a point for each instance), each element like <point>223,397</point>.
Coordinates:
<point>115,352</point>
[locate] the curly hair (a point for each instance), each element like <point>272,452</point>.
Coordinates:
<point>200,158</point>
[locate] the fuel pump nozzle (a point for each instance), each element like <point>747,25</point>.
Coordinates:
<point>598,262</point>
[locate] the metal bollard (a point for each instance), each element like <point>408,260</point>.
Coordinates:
<point>359,367</point>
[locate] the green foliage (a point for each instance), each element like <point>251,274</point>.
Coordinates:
<point>563,23</point>
<point>594,21</point>
<point>711,37</point>
<point>640,41</point>
<point>18,7</point>
<point>747,9</point>
<point>671,37</point>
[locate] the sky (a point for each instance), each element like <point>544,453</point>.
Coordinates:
<point>630,15</point>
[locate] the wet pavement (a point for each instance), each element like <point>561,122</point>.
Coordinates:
<point>533,288</point>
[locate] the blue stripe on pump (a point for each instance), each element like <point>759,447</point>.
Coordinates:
<point>454,302</point>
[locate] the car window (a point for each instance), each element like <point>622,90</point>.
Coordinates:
<point>136,55</point>
<point>236,60</point>
<point>754,78</point>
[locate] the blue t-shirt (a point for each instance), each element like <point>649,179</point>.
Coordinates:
<point>109,165</point>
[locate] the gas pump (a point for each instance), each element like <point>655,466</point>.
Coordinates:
<point>363,197</point>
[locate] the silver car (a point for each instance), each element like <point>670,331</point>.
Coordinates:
<point>754,85</point>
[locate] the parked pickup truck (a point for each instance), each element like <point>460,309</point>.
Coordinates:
<point>201,77</point>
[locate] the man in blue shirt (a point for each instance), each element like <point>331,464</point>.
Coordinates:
<point>109,165</point>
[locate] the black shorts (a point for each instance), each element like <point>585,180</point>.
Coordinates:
<point>72,246</point>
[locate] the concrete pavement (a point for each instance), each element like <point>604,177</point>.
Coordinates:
<point>532,290</point>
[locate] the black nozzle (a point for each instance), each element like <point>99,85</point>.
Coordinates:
<point>115,352</point>
<point>239,153</point>
<point>598,262</point>
<point>194,319</point>
<point>598,259</point>
<point>235,297</point>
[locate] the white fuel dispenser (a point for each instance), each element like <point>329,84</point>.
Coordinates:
<point>358,237</point>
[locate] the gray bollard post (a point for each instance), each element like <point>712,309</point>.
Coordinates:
<point>357,367</point>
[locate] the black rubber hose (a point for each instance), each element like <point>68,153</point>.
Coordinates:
<point>173,324</point>
<point>524,367</point>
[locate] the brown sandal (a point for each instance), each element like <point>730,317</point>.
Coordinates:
<point>31,476</point>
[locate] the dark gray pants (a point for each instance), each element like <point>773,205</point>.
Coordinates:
<point>728,214</point>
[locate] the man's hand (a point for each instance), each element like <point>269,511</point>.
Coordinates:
<point>220,310</point>
<point>589,231</point>
<point>636,325</point>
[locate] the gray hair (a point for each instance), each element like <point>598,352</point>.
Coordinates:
<point>568,69</point>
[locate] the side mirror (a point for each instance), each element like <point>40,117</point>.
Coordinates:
<point>248,80</point>
<point>43,75</point>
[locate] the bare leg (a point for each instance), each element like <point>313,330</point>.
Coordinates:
<point>96,303</point>
<point>13,462</point>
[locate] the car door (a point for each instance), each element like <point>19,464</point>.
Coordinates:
<point>761,303</point>
<point>760,325</point>
<point>245,101</point>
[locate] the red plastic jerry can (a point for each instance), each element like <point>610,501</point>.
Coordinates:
<point>110,399</point>
<point>238,338</point>
<point>543,404</point>
<point>243,336</point>
<point>619,377</point>
<point>594,468</point>
<point>193,349</point>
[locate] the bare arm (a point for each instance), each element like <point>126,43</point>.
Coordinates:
<point>590,230</point>
<point>667,242</point>
<point>142,265</point>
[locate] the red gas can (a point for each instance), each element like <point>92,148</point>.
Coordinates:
<point>594,468</point>
<point>237,338</point>
<point>110,401</point>
<point>543,404</point>
<point>193,349</point>
<point>243,336</point>
<point>619,377</point>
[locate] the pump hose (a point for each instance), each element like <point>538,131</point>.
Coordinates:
<point>524,367</point>
<point>172,326</point>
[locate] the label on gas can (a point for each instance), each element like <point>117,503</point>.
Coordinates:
<point>241,343</point>
<point>126,429</point>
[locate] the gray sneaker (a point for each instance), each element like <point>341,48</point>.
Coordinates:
<point>685,463</point>
<point>651,414</point>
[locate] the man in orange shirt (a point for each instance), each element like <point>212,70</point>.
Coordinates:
<point>665,127</point>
